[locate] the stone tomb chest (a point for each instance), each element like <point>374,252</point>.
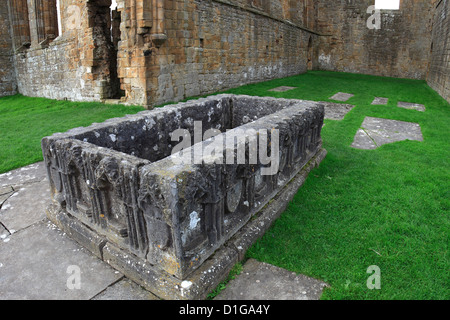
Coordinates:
<point>159,216</point>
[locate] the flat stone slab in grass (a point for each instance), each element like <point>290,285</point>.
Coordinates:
<point>282,89</point>
<point>375,132</point>
<point>336,111</point>
<point>411,106</point>
<point>380,101</point>
<point>262,281</point>
<point>342,96</point>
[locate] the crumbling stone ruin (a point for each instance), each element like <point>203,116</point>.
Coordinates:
<point>172,223</point>
<point>149,52</point>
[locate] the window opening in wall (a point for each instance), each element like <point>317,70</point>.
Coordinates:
<point>113,5</point>
<point>46,19</point>
<point>387,4</point>
<point>58,12</point>
<point>113,9</point>
<point>115,35</point>
<point>20,26</point>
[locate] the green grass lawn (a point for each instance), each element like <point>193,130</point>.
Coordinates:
<point>25,121</point>
<point>387,207</point>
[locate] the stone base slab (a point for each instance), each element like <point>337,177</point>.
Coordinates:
<point>262,281</point>
<point>213,271</point>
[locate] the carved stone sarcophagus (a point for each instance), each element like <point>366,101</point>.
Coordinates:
<point>156,194</point>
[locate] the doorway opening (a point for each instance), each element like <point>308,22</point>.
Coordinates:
<point>104,20</point>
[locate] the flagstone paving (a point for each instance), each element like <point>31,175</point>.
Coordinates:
<point>38,262</point>
<point>35,256</point>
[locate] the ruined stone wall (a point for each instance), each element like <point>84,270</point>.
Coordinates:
<point>156,51</point>
<point>439,75</point>
<point>54,72</point>
<point>76,65</point>
<point>8,84</point>
<point>400,48</point>
<point>150,52</point>
<point>213,46</point>
<point>186,48</point>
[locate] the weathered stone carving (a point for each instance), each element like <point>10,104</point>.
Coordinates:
<point>120,181</point>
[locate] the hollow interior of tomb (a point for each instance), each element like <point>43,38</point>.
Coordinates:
<point>150,136</point>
